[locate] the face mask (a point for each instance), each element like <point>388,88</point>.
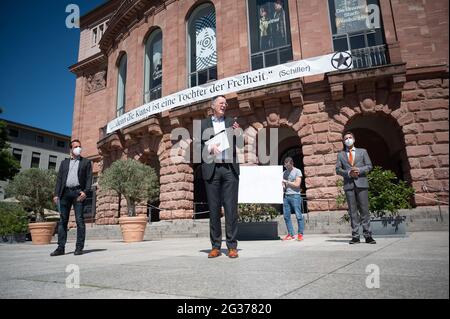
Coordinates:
<point>349,142</point>
<point>77,151</point>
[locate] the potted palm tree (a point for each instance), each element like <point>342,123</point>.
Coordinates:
<point>34,189</point>
<point>256,222</point>
<point>387,196</point>
<point>136,182</point>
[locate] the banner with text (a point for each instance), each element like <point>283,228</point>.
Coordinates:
<point>244,81</point>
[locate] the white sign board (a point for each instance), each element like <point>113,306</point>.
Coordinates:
<point>261,184</point>
<point>244,81</point>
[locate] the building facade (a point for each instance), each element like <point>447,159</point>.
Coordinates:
<point>35,148</point>
<point>395,98</point>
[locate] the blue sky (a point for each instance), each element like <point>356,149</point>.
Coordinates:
<point>36,87</point>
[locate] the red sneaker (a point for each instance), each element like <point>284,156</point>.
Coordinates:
<point>288,237</point>
<point>299,237</point>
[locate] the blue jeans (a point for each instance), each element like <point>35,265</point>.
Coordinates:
<point>68,199</point>
<point>293,202</point>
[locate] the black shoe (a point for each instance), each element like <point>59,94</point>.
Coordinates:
<point>370,240</point>
<point>355,240</point>
<point>78,252</point>
<point>58,252</point>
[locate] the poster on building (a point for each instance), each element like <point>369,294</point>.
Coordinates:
<point>273,24</point>
<point>205,35</point>
<point>156,70</point>
<point>351,16</point>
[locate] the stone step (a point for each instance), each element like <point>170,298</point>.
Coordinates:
<point>419,219</point>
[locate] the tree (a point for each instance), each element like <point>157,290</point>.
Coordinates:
<point>9,166</point>
<point>34,188</point>
<point>132,179</point>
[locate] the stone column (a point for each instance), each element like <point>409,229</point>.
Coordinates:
<point>320,144</point>
<point>176,183</point>
<point>107,207</point>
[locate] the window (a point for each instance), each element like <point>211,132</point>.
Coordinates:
<point>270,33</point>
<point>61,144</point>
<point>39,139</point>
<point>121,85</point>
<point>202,51</point>
<point>153,66</point>
<point>52,162</point>
<point>35,160</point>
<point>356,25</point>
<point>17,153</point>
<point>13,132</point>
<point>97,33</point>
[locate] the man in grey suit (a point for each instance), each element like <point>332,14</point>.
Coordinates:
<point>354,164</point>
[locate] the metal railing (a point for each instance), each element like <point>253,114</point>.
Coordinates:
<point>370,57</point>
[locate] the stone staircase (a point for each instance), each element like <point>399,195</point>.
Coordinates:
<point>431,218</point>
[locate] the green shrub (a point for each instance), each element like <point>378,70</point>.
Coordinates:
<point>34,188</point>
<point>13,219</point>
<point>132,179</point>
<point>256,213</point>
<point>386,194</point>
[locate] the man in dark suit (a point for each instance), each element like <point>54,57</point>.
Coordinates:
<point>73,182</point>
<point>354,164</point>
<point>220,170</point>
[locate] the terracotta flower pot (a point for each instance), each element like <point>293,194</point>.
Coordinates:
<point>133,228</point>
<point>42,233</point>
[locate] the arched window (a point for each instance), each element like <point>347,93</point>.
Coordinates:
<point>121,85</point>
<point>202,50</point>
<point>270,33</point>
<point>153,66</point>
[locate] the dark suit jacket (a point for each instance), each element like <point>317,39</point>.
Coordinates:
<point>208,167</point>
<point>361,161</point>
<point>84,176</point>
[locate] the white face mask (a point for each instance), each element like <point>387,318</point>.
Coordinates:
<point>349,142</point>
<point>77,151</point>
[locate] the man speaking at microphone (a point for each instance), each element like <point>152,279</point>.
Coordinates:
<point>220,170</point>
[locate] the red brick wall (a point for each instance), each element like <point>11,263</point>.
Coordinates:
<point>421,27</point>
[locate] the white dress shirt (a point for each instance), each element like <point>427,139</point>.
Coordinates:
<point>219,126</point>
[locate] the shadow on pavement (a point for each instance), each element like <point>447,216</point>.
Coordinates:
<point>88,251</point>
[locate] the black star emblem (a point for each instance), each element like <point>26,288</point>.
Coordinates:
<point>341,60</point>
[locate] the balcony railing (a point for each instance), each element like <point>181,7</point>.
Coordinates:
<point>370,57</point>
